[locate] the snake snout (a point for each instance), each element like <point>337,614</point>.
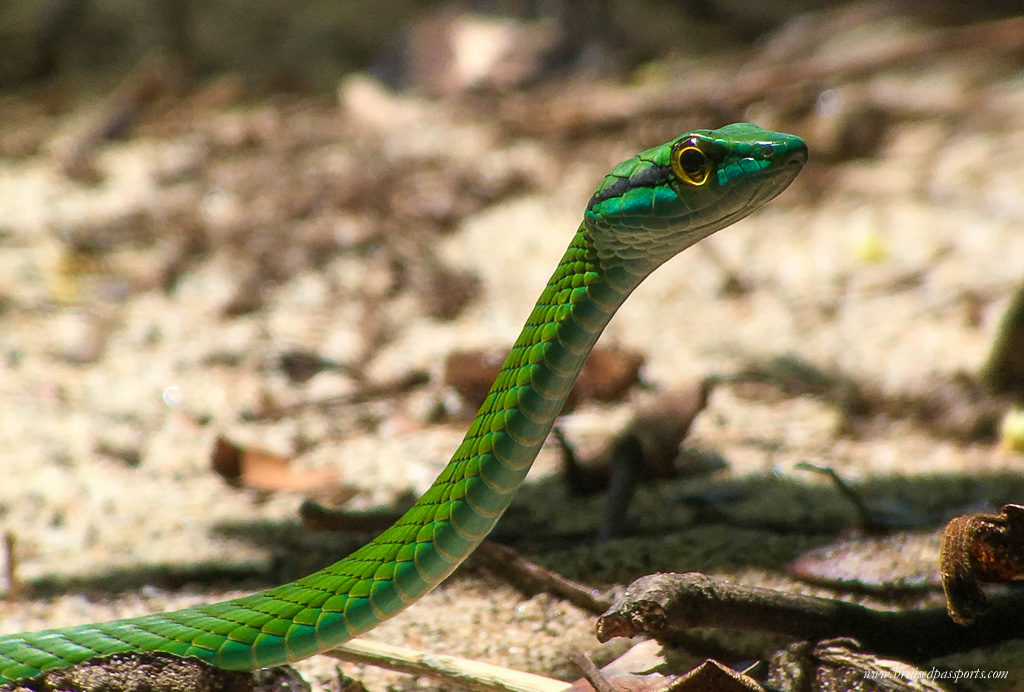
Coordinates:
<point>795,159</point>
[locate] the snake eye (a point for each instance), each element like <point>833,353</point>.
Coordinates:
<point>691,165</point>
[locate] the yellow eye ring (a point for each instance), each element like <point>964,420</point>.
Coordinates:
<point>691,166</point>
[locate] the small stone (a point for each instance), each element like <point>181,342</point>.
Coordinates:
<point>78,338</point>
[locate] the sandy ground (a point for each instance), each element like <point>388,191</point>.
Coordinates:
<point>114,389</point>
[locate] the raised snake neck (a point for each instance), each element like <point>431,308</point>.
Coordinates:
<point>647,209</point>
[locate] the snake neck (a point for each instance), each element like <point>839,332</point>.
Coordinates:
<point>469,496</point>
<point>646,209</point>
<point>424,546</point>
<point>529,392</point>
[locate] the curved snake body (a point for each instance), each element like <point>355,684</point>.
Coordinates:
<point>647,209</point>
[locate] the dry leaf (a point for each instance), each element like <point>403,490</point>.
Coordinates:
<point>607,375</point>
<point>243,467</point>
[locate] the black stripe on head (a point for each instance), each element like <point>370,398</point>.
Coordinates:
<point>651,176</point>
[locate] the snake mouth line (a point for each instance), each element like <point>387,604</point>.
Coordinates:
<point>768,185</point>
<point>771,184</point>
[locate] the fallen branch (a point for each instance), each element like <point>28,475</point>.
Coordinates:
<point>467,674</point>
<point>531,578</point>
<point>590,671</point>
<point>663,604</point>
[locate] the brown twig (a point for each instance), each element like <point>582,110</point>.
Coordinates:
<point>531,578</point>
<point>366,393</point>
<point>662,604</point>
<point>755,84</point>
<point>590,671</point>
<point>154,77</point>
<point>868,523</point>
<point>645,450</point>
<point>13,590</point>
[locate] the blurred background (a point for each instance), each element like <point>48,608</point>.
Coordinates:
<point>258,252</point>
<point>307,45</point>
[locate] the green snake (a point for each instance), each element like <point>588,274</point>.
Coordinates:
<point>647,209</point>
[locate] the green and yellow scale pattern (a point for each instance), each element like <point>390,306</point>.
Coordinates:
<point>646,210</point>
<point>296,620</point>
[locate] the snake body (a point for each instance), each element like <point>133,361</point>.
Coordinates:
<point>647,209</point>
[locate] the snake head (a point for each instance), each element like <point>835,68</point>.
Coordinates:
<point>661,201</point>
